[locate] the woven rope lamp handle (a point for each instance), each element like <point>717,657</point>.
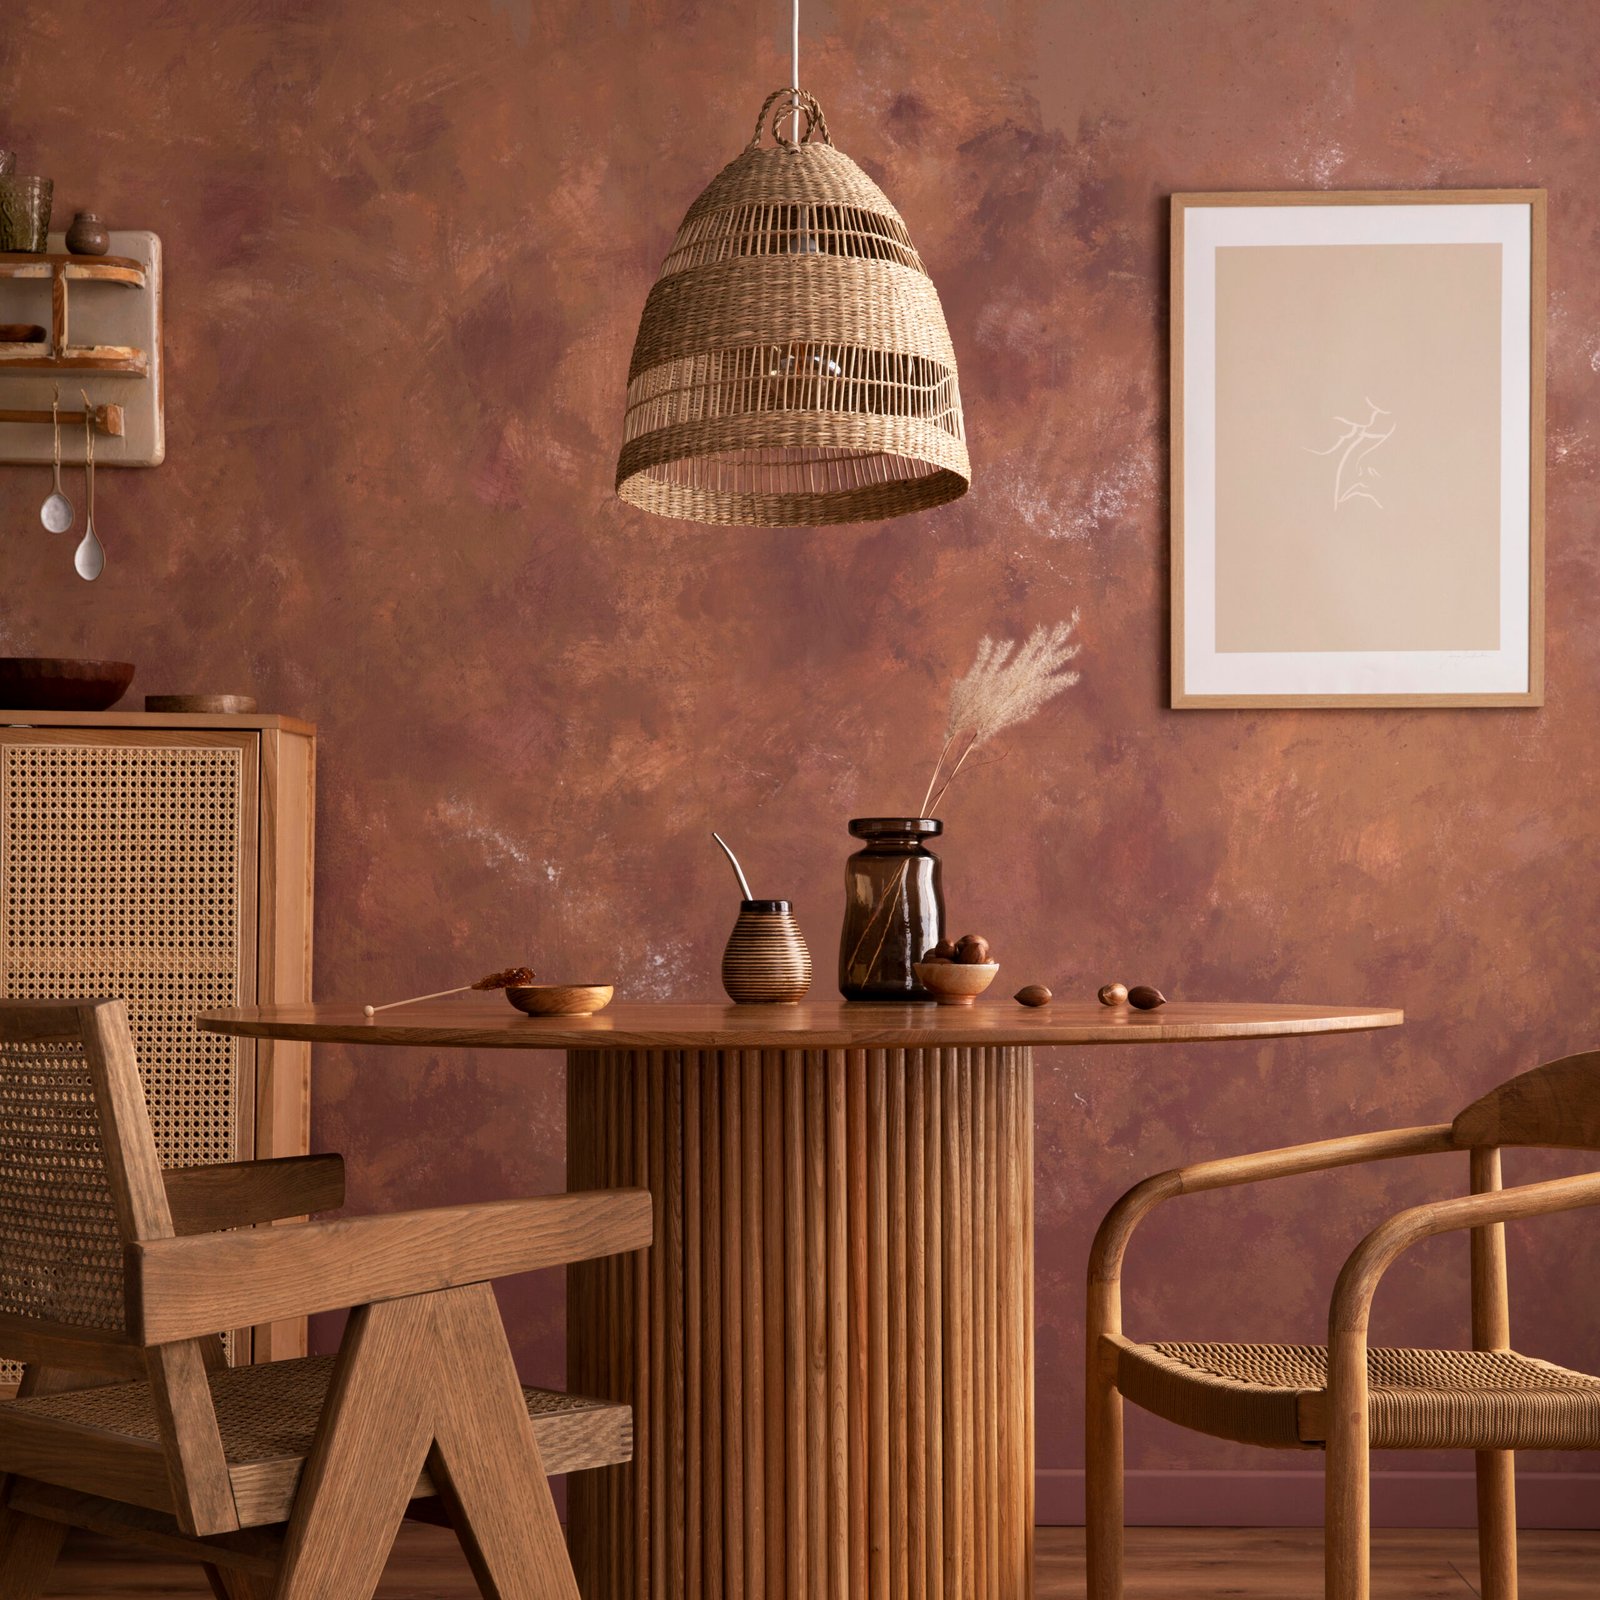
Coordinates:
<point>793,100</point>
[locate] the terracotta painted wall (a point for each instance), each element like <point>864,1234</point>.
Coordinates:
<point>407,245</point>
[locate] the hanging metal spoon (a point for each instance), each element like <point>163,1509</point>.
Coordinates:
<point>91,557</point>
<point>56,513</point>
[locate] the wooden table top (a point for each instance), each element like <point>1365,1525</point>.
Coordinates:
<point>482,1023</point>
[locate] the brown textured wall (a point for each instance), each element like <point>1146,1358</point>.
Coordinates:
<point>407,245</point>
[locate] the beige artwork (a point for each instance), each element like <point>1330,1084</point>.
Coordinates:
<point>1358,415</point>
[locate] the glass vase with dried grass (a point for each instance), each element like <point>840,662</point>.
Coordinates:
<point>894,897</point>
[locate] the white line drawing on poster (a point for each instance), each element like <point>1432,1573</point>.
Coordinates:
<point>1353,474</point>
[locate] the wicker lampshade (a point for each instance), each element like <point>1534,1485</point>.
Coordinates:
<point>793,364</point>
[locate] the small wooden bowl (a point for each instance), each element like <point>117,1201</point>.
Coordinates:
<point>212,705</point>
<point>955,983</point>
<point>560,999</point>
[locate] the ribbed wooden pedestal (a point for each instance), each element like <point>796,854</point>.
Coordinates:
<point>829,1351</point>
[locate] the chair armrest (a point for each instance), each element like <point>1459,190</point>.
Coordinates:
<point>1351,1306</point>
<point>236,1194</point>
<point>1111,1242</point>
<point>185,1287</point>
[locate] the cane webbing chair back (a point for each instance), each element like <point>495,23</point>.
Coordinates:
<point>62,1229</point>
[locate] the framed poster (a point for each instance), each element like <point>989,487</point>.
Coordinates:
<point>1358,449</point>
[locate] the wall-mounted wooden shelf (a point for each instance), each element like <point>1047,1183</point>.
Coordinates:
<point>90,269</point>
<point>80,358</point>
<point>58,354</point>
<point>104,342</point>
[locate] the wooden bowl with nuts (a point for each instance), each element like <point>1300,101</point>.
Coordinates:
<point>955,984</point>
<point>957,971</point>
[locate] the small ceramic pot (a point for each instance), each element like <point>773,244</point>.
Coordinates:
<point>25,214</point>
<point>766,962</point>
<point>88,235</point>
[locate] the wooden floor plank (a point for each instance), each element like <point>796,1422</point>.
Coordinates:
<point>1163,1564</point>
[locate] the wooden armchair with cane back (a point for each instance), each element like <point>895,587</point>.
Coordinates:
<point>1345,1398</point>
<point>287,1481</point>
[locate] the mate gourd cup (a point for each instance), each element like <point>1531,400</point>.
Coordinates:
<point>766,962</point>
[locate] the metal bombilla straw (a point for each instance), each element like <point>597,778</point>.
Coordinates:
<point>738,871</point>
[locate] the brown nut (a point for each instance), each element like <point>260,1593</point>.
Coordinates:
<point>1033,994</point>
<point>945,950</point>
<point>1143,998</point>
<point>1113,994</point>
<point>972,950</point>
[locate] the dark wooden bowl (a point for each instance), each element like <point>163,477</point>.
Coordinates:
<point>560,999</point>
<point>37,683</point>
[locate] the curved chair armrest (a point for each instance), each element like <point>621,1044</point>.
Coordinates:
<point>1111,1242</point>
<point>1351,1306</point>
<point>182,1288</point>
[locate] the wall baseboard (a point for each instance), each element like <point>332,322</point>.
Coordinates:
<point>1294,1499</point>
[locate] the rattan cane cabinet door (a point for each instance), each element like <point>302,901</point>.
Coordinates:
<point>128,868</point>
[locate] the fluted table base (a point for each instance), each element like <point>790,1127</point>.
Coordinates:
<point>829,1351</point>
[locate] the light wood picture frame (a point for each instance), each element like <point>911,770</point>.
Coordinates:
<point>1358,418</point>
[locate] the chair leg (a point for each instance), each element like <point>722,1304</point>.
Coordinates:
<point>1103,1536</point>
<point>1497,1524</point>
<point>28,1550</point>
<point>1347,1507</point>
<point>425,1381</point>
<point>231,1584</point>
<point>371,1444</point>
<point>485,1462</point>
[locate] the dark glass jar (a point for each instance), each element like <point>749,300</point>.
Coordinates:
<point>893,908</point>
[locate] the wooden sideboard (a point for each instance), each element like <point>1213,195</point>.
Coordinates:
<point>168,860</point>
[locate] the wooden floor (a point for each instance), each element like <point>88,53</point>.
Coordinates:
<point>1164,1564</point>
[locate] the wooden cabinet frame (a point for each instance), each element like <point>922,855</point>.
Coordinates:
<point>275,860</point>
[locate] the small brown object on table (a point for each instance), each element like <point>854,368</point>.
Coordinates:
<point>1033,994</point>
<point>1143,998</point>
<point>1113,994</point>
<point>830,1350</point>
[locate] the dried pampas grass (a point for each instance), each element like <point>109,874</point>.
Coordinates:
<point>1005,685</point>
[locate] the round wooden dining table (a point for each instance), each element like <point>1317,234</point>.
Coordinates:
<point>829,1349</point>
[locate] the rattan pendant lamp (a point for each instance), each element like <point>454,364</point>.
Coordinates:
<point>793,367</point>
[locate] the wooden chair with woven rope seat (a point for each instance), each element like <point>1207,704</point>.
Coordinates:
<point>287,1481</point>
<point>1345,1398</point>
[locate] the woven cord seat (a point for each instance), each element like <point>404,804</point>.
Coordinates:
<point>267,1417</point>
<point>1274,1395</point>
